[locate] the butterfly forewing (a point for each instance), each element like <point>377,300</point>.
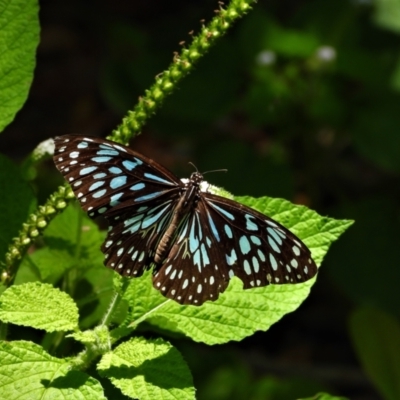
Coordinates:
<point>107,177</point>
<point>199,240</point>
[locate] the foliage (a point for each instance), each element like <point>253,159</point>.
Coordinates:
<point>300,97</point>
<point>376,337</point>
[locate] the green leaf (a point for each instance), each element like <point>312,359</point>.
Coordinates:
<point>148,369</point>
<point>73,243</point>
<point>324,396</point>
<point>96,300</point>
<point>50,263</point>
<point>40,306</point>
<point>387,14</point>
<point>99,336</point>
<point>74,228</point>
<point>19,27</point>
<point>27,372</point>
<point>74,233</point>
<point>317,232</point>
<point>239,313</point>
<point>16,201</point>
<point>376,338</point>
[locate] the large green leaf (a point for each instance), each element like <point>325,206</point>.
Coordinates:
<point>239,313</point>
<point>40,306</point>
<point>147,370</point>
<point>19,27</point>
<point>73,244</point>
<point>27,372</point>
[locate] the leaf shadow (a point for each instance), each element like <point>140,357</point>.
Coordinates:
<point>156,371</point>
<point>72,380</point>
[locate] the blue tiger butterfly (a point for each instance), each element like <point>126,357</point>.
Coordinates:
<point>194,240</point>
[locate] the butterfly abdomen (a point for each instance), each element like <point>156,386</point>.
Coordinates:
<point>185,204</point>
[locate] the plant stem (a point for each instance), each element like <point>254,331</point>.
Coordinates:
<point>131,125</point>
<point>32,228</point>
<point>182,64</point>
<point>115,302</point>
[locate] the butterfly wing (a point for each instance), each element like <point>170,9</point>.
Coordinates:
<point>257,249</point>
<point>192,273</point>
<point>135,194</point>
<point>217,239</point>
<point>223,239</point>
<point>134,236</point>
<point>108,178</point>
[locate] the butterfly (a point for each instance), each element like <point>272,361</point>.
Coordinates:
<point>194,240</point>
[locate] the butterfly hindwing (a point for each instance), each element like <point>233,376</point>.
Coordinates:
<point>134,235</point>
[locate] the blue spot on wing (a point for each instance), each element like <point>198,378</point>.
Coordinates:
<point>132,220</point>
<point>115,170</point>
<point>273,233</point>
<point>101,159</point>
<point>223,212</point>
<point>273,245</point>
<point>250,225</point>
<point>228,231</point>
<point>204,253</point>
<point>256,240</point>
<point>99,194</point>
<point>244,245</point>
<point>148,196</point>
<point>151,219</point>
<point>114,199</point>
<point>96,185</point>
<point>107,153</point>
<point>138,186</point>
<point>118,182</point>
<point>105,146</point>
<point>213,228</point>
<point>193,241</point>
<point>157,178</point>
<point>82,145</point>
<point>196,258</point>
<point>232,258</point>
<point>87,170</point>
<point>129,165</point>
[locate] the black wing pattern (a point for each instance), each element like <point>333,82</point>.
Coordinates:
<point>108,177</point>
<point>222,239</point>
<point>135,194</point>
<point>203,239</point>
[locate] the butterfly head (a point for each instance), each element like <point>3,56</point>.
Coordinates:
<point>196,178</point>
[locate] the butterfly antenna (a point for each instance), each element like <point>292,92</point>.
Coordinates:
<point>193,166</point>
<point>203,173</point>
<point>215,170</point>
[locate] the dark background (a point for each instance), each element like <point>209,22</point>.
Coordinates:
<point>300,100</point>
